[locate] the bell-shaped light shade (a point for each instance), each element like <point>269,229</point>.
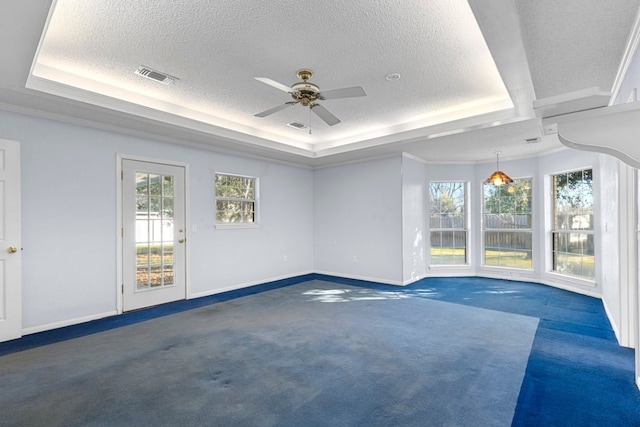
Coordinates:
<point>498,178</point>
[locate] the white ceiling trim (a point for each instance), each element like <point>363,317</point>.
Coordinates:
<point>630,52</point>
<point>181,116</point>
<point>61,77</point>
<point>544,42</point>
<point>613,130</point>
<point>432,132</point>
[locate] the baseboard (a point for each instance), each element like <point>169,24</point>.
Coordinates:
<point>68,322</point>
<point>537,279</point>
<point>613,324</point>
<point>362,278</point>
<point>303,276</point>
<point>435,272</point>
<point>569,288</point>
<point>413,280</point>
<point>239,286</point>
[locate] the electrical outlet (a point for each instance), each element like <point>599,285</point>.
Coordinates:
<point>285,259</point>
<point>355,258</point>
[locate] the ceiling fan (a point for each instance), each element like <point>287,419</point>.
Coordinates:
<point>307,93</point>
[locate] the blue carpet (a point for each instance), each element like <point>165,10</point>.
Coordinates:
<point>100,325</point>
<point>576,374</point>
<point>314,354</point>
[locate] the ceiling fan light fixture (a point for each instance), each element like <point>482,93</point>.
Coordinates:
<point>498,177</point>
<point>306,93</point>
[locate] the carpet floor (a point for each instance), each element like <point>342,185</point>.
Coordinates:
<point>332,352</point>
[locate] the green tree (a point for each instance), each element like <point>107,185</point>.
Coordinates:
<point>154,194</point>
<point>574,190</point>
<point>235,198</point>
<point>512,199</point>
<point>447,204</point>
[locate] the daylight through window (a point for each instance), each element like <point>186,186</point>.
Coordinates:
<point>573,248</point>
<point>507,225</point>
<point>236,199</point>
<point>448,224</point>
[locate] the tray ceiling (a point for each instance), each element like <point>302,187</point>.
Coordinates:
<point>469,71</point>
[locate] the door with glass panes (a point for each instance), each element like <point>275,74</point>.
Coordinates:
<point>153,234</point>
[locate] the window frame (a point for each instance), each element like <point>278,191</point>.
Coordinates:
<point>530,231</point>
<point>554,231</point>
<point>255,200</point>
<point>466,224</point>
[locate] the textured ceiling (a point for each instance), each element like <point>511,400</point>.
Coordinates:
<point>564,42</point>
<point>470,71</point>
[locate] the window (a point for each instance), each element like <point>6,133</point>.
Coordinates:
<point>236,199</point>
<point>507,223</point>
<point>448,224</point>
<point>572,234</point>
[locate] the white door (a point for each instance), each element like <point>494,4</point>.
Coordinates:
<point>10,287</point>
<point>153,234</point>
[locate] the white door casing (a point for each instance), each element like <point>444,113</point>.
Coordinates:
<point>636,311</point>
<point>153,233</point>
<point>10,249</point>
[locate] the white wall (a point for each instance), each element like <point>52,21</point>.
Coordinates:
<point>414,219</point>
<point>365,220</point>
<point>69,219</point>
<point>609,239</point>
<point>358,220</point>
<point>226,259</point>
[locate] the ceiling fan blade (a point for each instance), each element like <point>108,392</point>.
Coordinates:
<point>275,109</point>
<point>275,84</point>
<point>347,92</point>
<point>324,114</point>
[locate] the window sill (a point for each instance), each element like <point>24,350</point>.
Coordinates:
<point>505,268</point>
<point>445,266</point>
<point>236,226</point>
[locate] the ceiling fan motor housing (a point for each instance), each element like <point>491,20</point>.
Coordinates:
<point>305,92</point>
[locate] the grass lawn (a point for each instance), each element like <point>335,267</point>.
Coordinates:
<point>577,265</point>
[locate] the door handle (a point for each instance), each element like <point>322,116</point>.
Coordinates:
<point>12,249</point>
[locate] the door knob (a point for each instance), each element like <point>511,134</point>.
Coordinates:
<point>181,240</point>
<point>12,249</point>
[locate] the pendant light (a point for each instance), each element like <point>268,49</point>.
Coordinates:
<point>498,177</point>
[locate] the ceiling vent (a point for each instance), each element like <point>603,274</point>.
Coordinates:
<point>155,75</point>
<point>297,125</point>
<point>532,140</point>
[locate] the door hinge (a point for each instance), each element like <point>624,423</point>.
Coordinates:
<point>123,288</point>
<point>121,175</point>
<point>122,232</point>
